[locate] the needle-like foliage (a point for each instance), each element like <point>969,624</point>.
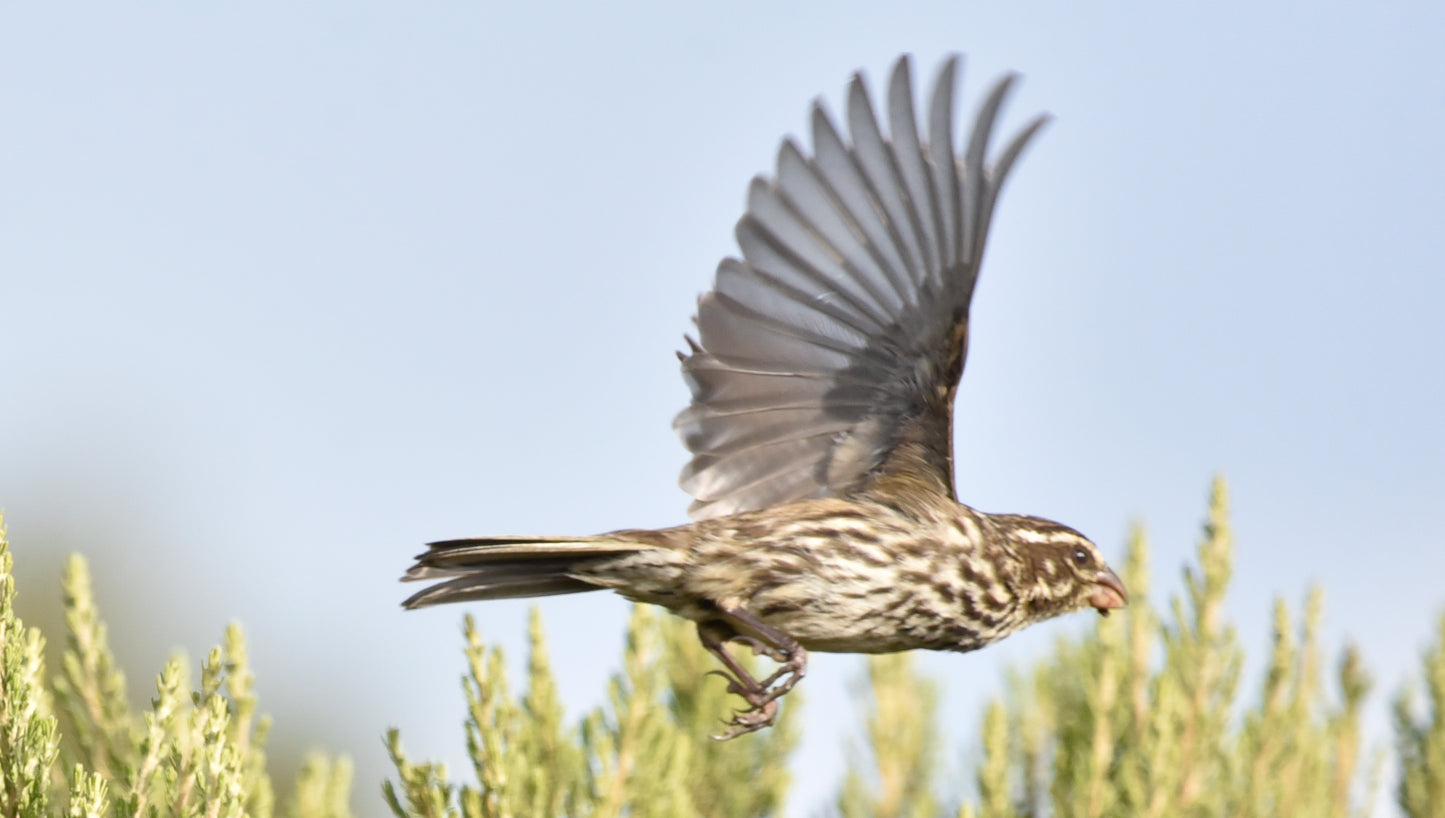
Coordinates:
<point>894,776</point>
<point>1421,738</point>
<point>646,752</point>
<point>1147,714</point>
<point>193,753</point>
<point>1144,716</point>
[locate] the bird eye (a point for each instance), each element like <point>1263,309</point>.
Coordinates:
<point>1082,558</point>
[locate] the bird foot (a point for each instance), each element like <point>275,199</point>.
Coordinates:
<point>761,648</point>
<point>762,697</point>
<point>751,720</point>
<point>794,667</point>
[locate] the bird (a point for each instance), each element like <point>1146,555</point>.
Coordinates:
<point>823,373</point>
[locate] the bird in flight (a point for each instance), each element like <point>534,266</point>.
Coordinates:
<point>823,375</point>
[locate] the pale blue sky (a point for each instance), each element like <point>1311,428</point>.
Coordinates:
<point>291,289</point>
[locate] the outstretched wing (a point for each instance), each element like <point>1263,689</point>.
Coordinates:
<point>829,354</point>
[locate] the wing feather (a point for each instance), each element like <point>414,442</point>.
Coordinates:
<point>748,340</point>
<point>946,188</point>
<point>814,204</point>
<point>829,353</point>
<point>773,241</point>
<point>783,467</point>
<point>841,316</point>
<point>840,169</point>
<point>908,156</point>
<point>871,152</point>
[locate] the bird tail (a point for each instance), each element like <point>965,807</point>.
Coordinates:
<point>509,567</point>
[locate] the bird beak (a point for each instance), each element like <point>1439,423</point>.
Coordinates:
<point>1109,592</point>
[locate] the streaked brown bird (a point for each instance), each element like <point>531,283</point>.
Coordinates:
<point>822,382</point>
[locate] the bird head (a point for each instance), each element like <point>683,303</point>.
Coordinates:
<point>1063,570</point>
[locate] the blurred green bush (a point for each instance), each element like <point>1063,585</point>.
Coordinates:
<point>1141,716</point>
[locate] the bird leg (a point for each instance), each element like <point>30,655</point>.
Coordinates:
<point>770,642</point>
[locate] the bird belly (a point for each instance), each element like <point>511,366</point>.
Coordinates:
<point>887,620</point>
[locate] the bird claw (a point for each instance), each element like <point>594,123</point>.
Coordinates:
<point>795,665</point>
<point>761,648</point>
<point>751,720</point>
<point>761,697</point>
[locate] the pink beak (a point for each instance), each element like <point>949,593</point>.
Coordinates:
<point>1109,593</point>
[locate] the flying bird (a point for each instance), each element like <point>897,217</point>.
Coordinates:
<point>823,376</point>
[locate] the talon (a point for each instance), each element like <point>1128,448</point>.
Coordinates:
<point>795,665</point>
<point>750,721</point>
<point>762,698</point>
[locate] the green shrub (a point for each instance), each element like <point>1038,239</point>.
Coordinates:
<point>1142,716</point>
<point>646,752</point>
<point>194,753</point>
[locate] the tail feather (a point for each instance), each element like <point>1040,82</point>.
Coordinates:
<point>508,567</point>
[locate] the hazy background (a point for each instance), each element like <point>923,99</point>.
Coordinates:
<point>290,289</point>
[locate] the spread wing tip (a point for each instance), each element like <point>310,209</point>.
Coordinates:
<point>850,297</point>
